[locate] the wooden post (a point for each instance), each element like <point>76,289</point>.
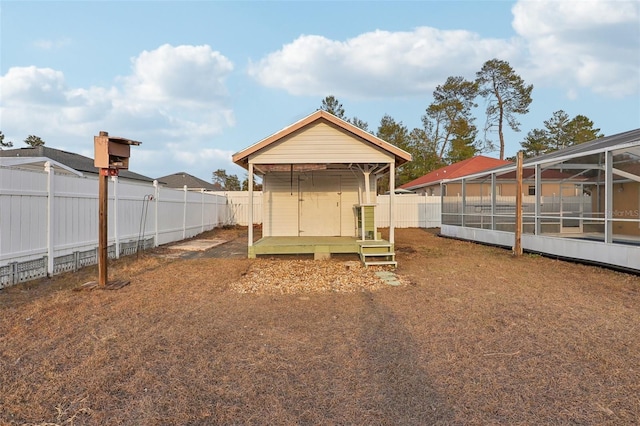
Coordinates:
<point>110,155</point>
<point>517,248</point>
<point>103,205</point>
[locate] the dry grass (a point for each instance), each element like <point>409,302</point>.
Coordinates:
<point>477,337</point>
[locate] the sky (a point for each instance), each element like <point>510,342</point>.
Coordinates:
<point>197,81</point>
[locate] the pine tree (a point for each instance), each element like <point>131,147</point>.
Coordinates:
<point>506,95</point>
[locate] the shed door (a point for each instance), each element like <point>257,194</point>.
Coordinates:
<point>319,210</point>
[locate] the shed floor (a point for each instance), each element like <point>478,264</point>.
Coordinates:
<point>310,245</point>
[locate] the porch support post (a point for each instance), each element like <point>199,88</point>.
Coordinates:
<point>367,184</point>
<point>250,224</point>
<point>392,193</point>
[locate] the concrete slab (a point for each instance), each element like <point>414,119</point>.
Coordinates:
<point>197,245</point>
<point>388,277</point>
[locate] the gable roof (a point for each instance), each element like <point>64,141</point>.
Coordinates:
<point>471,165</point>
<point>180,179</point>
<point>241,158</point>
<point>69,159</point>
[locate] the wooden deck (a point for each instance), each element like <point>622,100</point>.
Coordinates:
<point>320,247</point>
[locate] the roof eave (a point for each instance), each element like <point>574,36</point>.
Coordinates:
<point>241,158</point>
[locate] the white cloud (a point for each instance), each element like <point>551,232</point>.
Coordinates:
<point>52,44</point>
<point>570,45</point>
<point>32,85</point>
<point>592,44</point>
<point>175,101</point>
<point>187,75</point>
<point>378,63</point>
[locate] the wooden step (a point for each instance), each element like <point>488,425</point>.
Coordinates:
<point>378,254</point>
<point>381,263</point>
<point>368,252</point>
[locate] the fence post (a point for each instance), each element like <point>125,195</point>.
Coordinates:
<point>114,179</point>
<point>14,273</point>
<point>184,214</point>
<point>155,198</point>
<point>202,209</point>
<point>48,167</point>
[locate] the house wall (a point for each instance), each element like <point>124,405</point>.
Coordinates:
<point>507,189</point>
<point>284,192</point>
<point>337,146</point>
<point>626,205</point>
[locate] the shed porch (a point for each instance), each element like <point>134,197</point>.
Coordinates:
<point>371,252</point>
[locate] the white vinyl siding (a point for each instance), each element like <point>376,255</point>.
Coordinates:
<point>280,205</point>
<point>281,202</point>
<point>321,143</point>
<point>349,199</point>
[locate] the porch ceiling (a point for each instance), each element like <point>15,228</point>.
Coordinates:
<point>374,168</point>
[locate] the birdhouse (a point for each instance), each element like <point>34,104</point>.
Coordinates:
<point>112,152</point>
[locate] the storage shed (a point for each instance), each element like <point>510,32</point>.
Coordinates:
<point>581,202</point>
<point>319,189</point>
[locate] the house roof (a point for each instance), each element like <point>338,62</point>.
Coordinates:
<point>69,159</point>
<point>37,163</point>
<point>471,165</point>
<point>242,157</point>
<point>182,179</point>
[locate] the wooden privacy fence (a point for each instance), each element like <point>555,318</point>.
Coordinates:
<point>49,220</point>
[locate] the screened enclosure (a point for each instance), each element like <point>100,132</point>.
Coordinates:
<point>582,202</point>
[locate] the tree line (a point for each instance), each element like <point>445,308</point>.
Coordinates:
<point>31,140</point>
<point>449,133</point>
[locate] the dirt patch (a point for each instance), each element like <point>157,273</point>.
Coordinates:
<point>474,336</point>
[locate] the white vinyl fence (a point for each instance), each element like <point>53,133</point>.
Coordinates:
<point>411,211</point>
<point>239,206</point>
<point>49,221</point>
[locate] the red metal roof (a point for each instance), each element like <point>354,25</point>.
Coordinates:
<point>462,168</point>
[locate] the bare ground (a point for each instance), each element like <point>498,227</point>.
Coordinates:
<point>474,336</point>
